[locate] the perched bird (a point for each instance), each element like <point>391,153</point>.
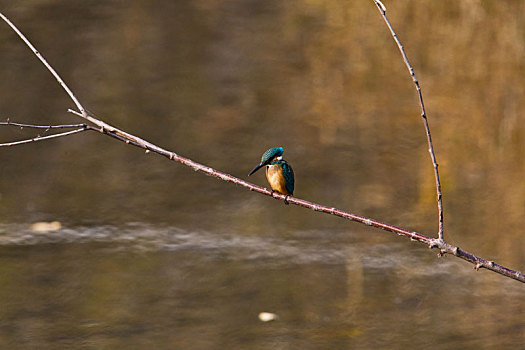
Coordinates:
<point>278,172</point>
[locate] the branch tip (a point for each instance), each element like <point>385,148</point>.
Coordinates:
<point>381,6</point>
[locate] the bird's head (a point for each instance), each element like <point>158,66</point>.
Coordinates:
<point>269,156</point>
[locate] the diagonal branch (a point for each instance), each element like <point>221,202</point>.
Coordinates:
<point>444,248</point>
<point>382,10</point>
<point>55,74</point>
<point>48,66</point>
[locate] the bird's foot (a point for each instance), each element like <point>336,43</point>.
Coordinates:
<point>286,200</point>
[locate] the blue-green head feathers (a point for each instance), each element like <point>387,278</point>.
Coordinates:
<point>267,157</point>
<point>272,153</point>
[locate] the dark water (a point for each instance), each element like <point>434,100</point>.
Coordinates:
<point>152,255</point>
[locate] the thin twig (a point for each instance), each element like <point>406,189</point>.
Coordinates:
<point>47,127</point>
<point>443,247</point>
<point>48,66</point>
<point>382,10</point>
<point>81,108</point>
<point>42,138</point>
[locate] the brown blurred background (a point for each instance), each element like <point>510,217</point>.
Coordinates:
<point>222,81</point>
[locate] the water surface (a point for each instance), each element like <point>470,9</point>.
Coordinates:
<point>153,255</point>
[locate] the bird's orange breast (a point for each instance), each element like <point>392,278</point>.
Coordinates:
<point>274,174</point>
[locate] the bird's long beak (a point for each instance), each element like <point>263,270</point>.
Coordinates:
<point>257,168</point>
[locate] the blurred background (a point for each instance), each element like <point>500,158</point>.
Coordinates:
<point>147,253</point>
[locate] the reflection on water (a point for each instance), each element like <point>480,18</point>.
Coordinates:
<point>149,254</point>
<point>145,286</point>
<point>303,248</point>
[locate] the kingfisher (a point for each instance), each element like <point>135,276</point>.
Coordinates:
<point>278,172</point>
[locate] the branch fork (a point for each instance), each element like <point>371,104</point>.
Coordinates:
<point>106,129</point>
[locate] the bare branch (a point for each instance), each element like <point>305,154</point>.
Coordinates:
<point>48,66</point>
<point>81,108</point>
<point>47,127</point>
<point>382,10</point>
<point>444,248</point>
<point>42,138</point>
